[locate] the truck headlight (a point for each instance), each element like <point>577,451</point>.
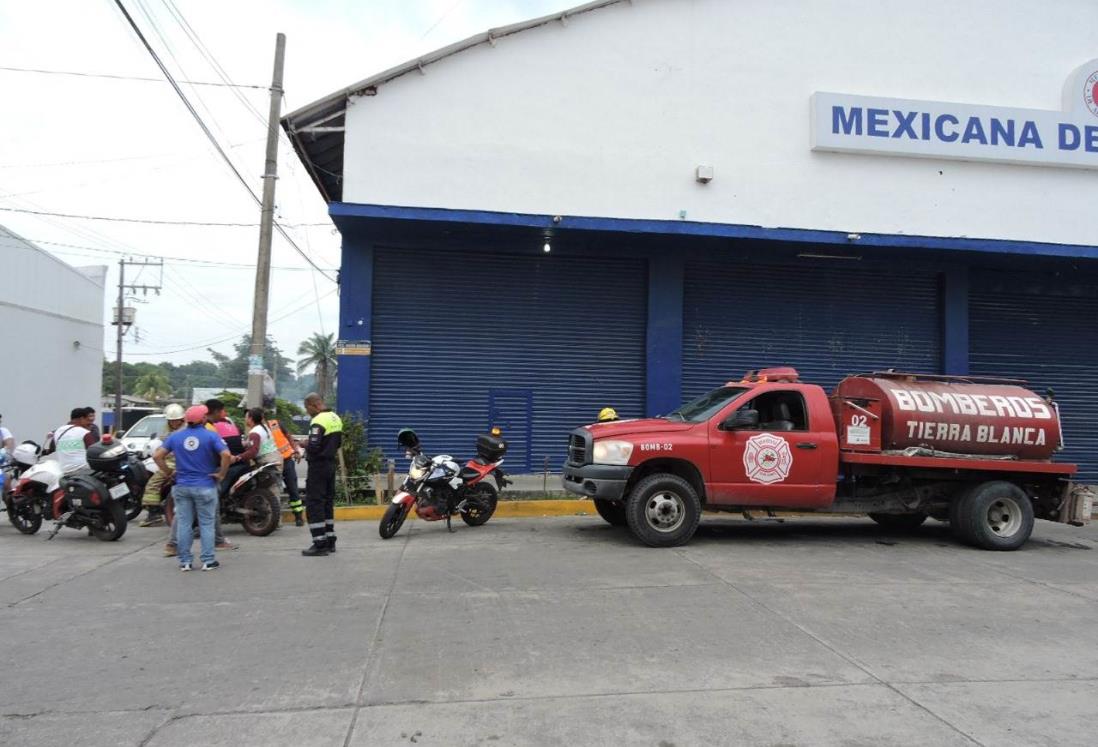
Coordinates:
<point>612,452</point>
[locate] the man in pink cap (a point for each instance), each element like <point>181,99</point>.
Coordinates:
<point>201,460</point>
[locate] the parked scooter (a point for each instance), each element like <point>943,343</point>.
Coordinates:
<point>252,500</point>
<point>83,499</point>
<point>439,488</point>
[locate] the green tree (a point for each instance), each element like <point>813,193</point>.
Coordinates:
<point>320,355</point>
<point>153,385</point>
<point>284,411</point>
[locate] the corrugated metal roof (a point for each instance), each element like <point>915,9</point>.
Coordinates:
<point>316,130</point>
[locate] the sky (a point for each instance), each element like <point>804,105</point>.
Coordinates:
<point>128,149</point>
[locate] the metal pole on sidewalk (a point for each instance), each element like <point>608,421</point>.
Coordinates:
<point>118,348</point>
<point>266,229</point>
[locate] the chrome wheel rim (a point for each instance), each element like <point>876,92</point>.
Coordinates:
<point>1004,517</point>
<point>665,511</point>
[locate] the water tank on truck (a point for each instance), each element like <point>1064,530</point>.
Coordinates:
<point>890,411</point>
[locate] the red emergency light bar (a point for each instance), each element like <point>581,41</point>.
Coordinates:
<point>781,374</point>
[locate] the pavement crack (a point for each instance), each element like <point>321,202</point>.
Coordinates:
<point>841,654</point>
<point>367,668</point>
<point>115,559</point>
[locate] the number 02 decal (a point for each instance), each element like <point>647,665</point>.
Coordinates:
<point>858,421</point>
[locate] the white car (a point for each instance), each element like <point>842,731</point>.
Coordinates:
<point>145,429</point>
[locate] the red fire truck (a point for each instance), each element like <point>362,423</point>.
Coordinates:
<point>975,452</point>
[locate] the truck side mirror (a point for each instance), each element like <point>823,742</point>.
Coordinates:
<point>740,419</point>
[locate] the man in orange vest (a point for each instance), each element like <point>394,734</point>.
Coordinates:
<point>291,455</point>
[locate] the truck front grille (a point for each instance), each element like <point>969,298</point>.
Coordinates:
<point>577,449</point>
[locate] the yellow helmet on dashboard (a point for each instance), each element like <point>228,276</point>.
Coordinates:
<point>607,414</point>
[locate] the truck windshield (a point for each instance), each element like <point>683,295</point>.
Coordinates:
<point>707,405</point>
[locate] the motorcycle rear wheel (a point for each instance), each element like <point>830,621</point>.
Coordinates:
<point>28,523</point>
<point>134,506</point>
<point>481,501</point>
<point>114,522</point>
<point>393,519</point>
<point>262,513</point>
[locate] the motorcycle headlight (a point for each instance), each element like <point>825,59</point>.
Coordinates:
<point>612,452</point>
<point>416,473</point>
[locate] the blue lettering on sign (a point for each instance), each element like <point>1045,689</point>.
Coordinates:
<point>948,128</point>
<point>905,124</point>
<point>1001,133</point>
<point>847,123</point>
<point>878,122</point>
<point>1069,137</point>
<point>1030,135</point>
<point>974,131</point>
<point>939,128</point>
<point>1092,139</point>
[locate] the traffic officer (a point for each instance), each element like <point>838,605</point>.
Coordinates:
<point>291,454</point>
<point>325,438</point>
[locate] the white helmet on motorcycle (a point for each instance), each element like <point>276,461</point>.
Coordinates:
<point>173,412</point>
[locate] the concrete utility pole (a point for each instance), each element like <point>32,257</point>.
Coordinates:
<point>118,347</point>
<point>122,323</point>
<point>266,228</point>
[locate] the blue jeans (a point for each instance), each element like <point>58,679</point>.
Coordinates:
<point>188,501</point>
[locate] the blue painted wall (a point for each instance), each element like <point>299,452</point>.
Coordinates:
<point>955,327</point>
<point>356,298</point>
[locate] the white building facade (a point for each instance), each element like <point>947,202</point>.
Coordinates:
<point>51,335</point>
<point>722,185</point>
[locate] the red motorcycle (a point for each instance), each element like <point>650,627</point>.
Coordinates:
<point>438,488</point>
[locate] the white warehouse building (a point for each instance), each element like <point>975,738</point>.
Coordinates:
<point>51,332</point>
<point>633,201</point>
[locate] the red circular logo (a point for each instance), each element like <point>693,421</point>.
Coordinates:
<point>1090,93</point>
<point>767,458</point>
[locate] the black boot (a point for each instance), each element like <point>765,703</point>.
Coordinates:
<point>298,521</point>
<point>315,550</point>
<point>331,544</point>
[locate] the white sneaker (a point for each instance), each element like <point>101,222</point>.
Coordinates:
<point>185,567</point>
<point>213,565</point>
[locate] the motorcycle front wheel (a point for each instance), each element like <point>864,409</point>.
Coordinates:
<point>26,522</point>
<point>480,504</point>
<point>393,519</point>
<point>113,516</point>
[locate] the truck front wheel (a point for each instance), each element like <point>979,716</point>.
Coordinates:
<point>611,512</point>
<point>994,516</point>
<point>663,511</point>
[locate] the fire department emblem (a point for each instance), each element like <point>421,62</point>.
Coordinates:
<point>1090,93</point>
<point>767,458</point>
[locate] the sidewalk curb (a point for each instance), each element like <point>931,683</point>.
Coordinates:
<point>504,508</point>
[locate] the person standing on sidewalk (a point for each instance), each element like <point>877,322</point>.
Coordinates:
<point>201,461</point>
<point>291,455</point>
<point>325,438</point>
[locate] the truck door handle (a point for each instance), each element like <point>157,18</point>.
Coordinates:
<point>806,445</point>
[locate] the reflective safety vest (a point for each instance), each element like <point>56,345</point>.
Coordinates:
<point>285,448</point>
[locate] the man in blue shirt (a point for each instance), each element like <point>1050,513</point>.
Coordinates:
<point>201,461</point>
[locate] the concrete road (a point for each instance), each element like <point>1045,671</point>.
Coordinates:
<point>553,631</point>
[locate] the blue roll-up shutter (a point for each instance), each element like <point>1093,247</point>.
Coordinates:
<point>1044,329</point>
<point>538,344</point>
<point>827,322</point>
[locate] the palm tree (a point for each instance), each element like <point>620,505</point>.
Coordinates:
<point>320,355</point>
<point>153,385</point>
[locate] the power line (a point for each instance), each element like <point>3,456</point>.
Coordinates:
<point>124,77</point>
<point>150,221</point>
<point>231,337</point>
<point>169,259</point>
<point>210,136</point>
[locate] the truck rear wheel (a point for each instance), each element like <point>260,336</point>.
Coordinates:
<point>994,516</point>
<point>663,510</point>
<point>899,522</point>
<point>611,512</point>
